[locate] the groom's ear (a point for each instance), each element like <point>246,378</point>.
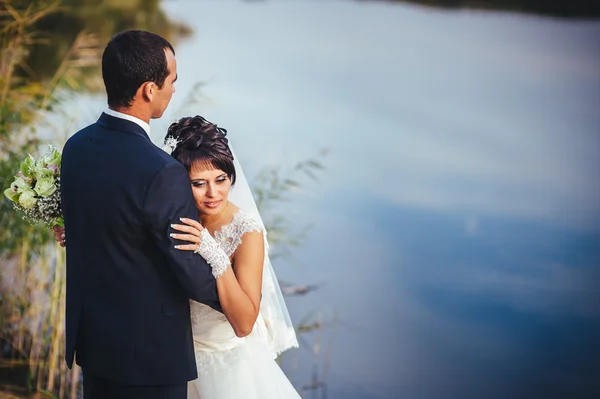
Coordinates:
<point>148,90</point>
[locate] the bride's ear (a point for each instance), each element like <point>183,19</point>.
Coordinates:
<point>148,89</point>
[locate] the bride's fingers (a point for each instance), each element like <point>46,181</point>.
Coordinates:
<point>186,229</point>
<point>193,223</point>
<point>189,247</point>
<point>187,237</point>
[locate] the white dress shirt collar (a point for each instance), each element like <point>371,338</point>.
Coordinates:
<point>130,118</point>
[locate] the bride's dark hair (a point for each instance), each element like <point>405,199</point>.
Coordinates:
<point>201,144</point>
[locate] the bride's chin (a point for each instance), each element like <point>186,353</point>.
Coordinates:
<point>210,211</point>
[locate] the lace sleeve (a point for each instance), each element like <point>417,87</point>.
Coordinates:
<point>230,236</point>
<point>246,224</point>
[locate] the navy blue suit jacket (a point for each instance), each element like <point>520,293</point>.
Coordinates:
<point>127,308</point>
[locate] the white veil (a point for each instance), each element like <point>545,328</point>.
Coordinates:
<point>273,325</point>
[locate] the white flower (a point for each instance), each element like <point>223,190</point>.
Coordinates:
<point>27,199</point>
<point>170,144</point>
<point>51,156</point>
<point>22,183</point>
<point>45,186</point>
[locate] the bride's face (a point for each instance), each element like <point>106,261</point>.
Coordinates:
<point>211,189</point>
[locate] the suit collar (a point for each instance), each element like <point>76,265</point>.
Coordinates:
<point>123,125</point>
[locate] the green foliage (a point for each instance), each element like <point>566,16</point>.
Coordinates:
<point>23,102</point>
<point>48,46</point>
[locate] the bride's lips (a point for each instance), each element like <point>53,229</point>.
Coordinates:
<point>212,205</point>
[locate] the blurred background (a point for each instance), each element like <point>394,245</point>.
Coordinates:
<point>428,171</point>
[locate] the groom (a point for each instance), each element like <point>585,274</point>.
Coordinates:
<point>127,317</point>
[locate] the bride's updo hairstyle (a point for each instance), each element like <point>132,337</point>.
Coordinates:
<point>201,144</point>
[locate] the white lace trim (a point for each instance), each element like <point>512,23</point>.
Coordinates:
<point>230,236</point>
<point>213,254</point>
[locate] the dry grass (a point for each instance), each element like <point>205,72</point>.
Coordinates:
<point>32,284</point>
<point>33,288</point>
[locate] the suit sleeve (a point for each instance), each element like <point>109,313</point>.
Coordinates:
<point>168,198</point>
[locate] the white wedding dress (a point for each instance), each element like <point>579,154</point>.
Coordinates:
<point>230,367</point>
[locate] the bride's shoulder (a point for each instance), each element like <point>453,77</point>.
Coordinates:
<point>241,226</point>
<point>246,222</point>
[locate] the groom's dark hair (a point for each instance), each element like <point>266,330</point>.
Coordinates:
<point>130,59</point>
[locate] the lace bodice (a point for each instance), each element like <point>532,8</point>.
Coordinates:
<point>212,332</point>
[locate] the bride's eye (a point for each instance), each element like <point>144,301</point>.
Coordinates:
<point>198,184</point>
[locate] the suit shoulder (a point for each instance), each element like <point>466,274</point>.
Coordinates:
<point>80,135</point>
<point>160,157</point>
<point>159,164</point>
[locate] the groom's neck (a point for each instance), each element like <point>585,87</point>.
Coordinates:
<point>133,111</point>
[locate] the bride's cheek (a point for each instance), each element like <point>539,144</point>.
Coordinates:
<point>197,196</point>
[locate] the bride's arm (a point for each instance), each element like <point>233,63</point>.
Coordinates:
<point>240,290</point>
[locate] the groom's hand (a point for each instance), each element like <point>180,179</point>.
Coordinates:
<point>59,235</point>
<point>189,231</point>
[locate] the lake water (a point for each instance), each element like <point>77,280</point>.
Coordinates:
<point>456,236</point>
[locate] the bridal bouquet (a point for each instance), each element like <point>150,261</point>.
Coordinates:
<point>35,192</point>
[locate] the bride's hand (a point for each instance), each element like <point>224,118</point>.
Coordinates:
<point>59,235</point>
<point>190,231</point>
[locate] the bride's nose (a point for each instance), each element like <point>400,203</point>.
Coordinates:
<point>211,190</point>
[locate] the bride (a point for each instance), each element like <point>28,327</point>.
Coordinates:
<point>235,350</point>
